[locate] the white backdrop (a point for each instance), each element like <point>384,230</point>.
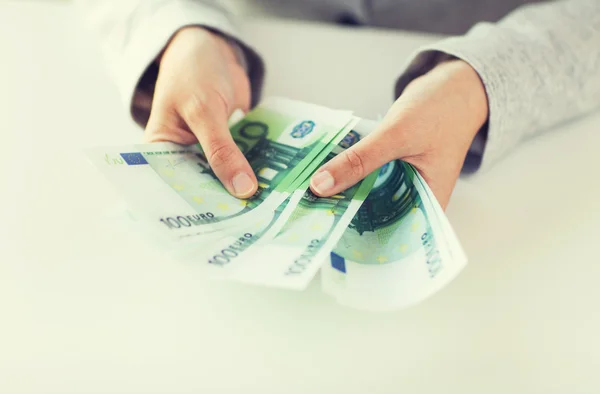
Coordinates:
<point>88,308</point>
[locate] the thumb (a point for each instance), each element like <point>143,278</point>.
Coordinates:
<point>355,163</point>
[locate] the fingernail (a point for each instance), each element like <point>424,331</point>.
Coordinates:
<point>242,184</point>
<point>322,182</point>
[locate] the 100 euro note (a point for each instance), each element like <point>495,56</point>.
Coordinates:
<point>171,190</point>
<point>292,258</point>
<point>221,249</point>
<point>400,248</point>
<point>279,249</point>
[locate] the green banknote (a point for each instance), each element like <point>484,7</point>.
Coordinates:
<point>223,249</point>
<point>295,255</point>
<point>288,249</point>
<point>171,189</point>
<point>399,248</point>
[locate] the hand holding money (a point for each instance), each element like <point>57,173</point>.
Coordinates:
<point>199,85</point>
<point>383,243</point>
<point>431,126</point>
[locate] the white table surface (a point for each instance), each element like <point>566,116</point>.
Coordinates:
<point>86,308</point>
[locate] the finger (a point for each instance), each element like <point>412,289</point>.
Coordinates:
<point>355,163</point>
<point>168,126</point>
<point>209,125</point>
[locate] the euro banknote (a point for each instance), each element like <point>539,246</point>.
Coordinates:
<point>287,249</point>
<point>223,249</point>
<point>399,249</point>
<point>172,190</point>
<point>383,244</point>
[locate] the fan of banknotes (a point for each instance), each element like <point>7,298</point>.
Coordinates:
<point>383,244</point>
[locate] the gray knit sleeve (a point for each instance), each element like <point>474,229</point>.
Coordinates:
<point>540,66</point>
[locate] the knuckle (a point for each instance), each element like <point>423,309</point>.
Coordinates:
<point>354,163</point>
<point>164,131</point>
<point>221,154</point>
<point>197,108</point>
<point>156,132</point>
<point>156,127</point>
<point>221,101</point>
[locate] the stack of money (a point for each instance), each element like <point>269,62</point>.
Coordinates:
<point>383,244</point>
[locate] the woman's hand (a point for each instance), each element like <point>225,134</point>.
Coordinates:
<point>431,126</point>
<point>199,85</point>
